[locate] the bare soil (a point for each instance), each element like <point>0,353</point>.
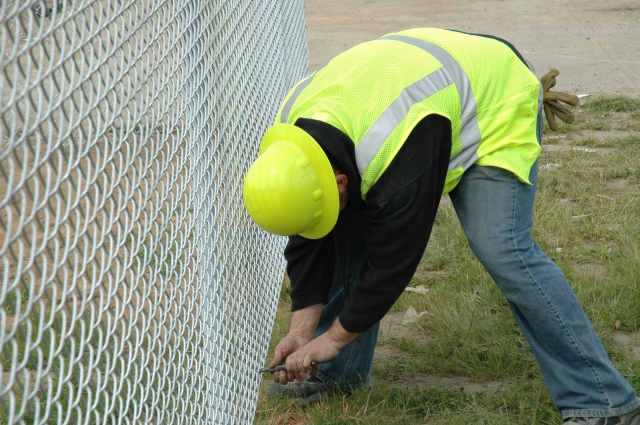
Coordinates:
<point>594,44</point>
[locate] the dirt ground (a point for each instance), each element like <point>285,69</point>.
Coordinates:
<point>594,44</point>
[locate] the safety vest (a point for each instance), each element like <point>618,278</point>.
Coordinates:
<point>377,92</point>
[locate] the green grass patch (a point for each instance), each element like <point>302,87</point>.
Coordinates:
<point>526,403</point>
<point>613,104</point>
<point>600,114</point>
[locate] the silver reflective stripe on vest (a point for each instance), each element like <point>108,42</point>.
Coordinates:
<point>379,132</point>
<point>286,109</point>
<point>450,72</point>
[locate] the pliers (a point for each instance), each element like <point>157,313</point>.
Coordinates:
<point>282,367</point>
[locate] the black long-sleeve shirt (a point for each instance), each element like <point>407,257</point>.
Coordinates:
<point>398,211</point>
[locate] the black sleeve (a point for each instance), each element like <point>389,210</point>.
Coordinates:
<point>400,208</point>
<point>311,263</point>
<point>310,266</point>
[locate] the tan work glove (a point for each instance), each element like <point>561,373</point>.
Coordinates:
<point>552,106</point>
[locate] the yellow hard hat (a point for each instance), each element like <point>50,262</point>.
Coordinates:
<point>291,188</point>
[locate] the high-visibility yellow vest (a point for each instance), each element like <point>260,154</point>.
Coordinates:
<point>377,92</point>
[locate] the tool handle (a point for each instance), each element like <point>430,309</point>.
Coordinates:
<point>281,367</point>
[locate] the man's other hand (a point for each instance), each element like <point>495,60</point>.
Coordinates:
<point>319,350</point>
<point>288,345</point>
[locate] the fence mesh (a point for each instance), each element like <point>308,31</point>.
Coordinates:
<point>135,289</point>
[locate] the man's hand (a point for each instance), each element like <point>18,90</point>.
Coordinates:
<point>299,348</point>
<point>303,325</point>
<point>284,349</point>
<point>318,350</point>
<point>322,349</point>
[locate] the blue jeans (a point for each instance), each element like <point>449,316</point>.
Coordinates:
<point>350,370</point>
<point>495,210</point>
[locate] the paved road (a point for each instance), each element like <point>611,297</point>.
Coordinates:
<point>594,43</point>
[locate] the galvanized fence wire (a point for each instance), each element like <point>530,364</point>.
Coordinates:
<point>135,288</point>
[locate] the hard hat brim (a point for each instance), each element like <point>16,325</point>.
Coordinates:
<point>320,163</point>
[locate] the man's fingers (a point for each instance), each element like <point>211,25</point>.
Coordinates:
<point>291,364</point>
<point>295,363</point>
<point>287,346</point>
<point>283,377</point>
<point>306,363</point>
<point>277,359</point>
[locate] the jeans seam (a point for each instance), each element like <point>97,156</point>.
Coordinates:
<point>347,368</point>
<point>560,321</point>
<point>600,413</point>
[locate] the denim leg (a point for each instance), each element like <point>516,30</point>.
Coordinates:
<point>495,210</point>
<point>350,370</point>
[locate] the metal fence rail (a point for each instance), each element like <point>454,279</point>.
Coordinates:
<point>134,287</point>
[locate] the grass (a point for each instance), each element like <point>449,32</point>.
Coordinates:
<point>586,219</point>
<point>601,114</point>
<point>392,406</point>
<point>613,104</point>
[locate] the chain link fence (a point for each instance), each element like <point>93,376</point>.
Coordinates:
<point>135,288</point>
